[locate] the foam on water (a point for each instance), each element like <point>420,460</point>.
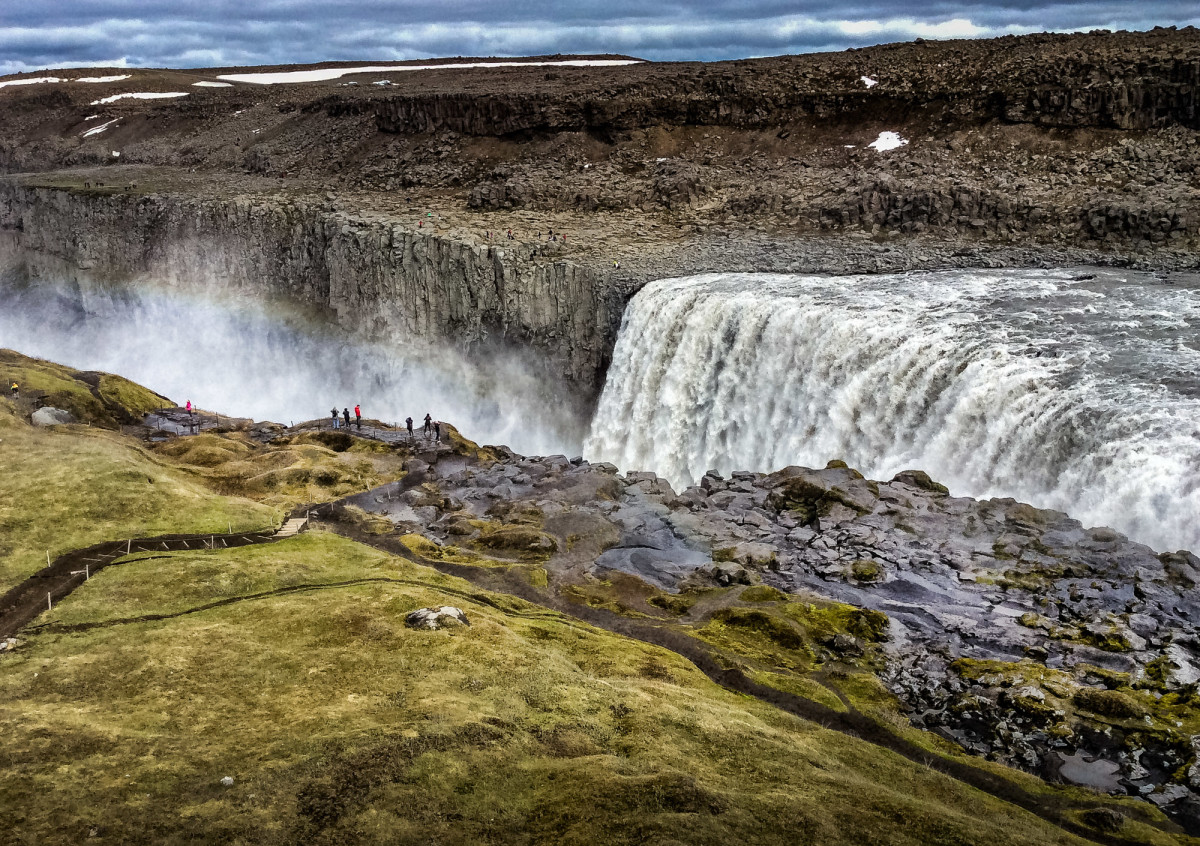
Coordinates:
<point>1075,390</point>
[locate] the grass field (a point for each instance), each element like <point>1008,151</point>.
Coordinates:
<point>338,724</point>
<point>74,486</point>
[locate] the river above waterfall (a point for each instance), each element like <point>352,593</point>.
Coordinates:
<point>1071,389</point>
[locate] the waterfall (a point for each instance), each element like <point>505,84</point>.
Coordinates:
<point>1074,390</point>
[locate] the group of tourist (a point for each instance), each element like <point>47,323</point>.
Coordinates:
<point>337,424</point>
<point>432,428</point>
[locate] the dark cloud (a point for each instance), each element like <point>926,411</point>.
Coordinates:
<point>166,33</point>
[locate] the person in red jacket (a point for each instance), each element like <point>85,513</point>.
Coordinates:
<point>358,417</point>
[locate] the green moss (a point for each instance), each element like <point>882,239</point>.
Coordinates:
<point>762,593</point>
<point>805,688</point>
<point>724,554</point>
<point>865,570</point>
<point>678,604</point>
<point>119,393</point>
<point>526,543</point>
<point>1109,703</point>
<point>1112,640</point>
<point>774,629</point>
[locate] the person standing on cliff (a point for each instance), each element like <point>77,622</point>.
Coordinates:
<point>189,408</point>
<point>16,390</point>
<point>408,423</point>
<point>333,412</point>
<point>428,425</point>
<point>358,417</point>
<point>346,416</point>
<point>437,431</point>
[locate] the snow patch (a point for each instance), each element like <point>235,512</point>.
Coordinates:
<point>867,81</point>
<point>140,95</point>
<point>325,74</point>
<point>30,81</point>
<point>887,141</point>
<point>207,83</point>
<point>96,130</point>
<point>116,155</point>
<point>102,78</point>
<point>91,117</point>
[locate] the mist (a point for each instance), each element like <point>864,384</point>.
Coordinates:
<point>243,358</point>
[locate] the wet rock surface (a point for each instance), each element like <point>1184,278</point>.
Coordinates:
<point>1015,632</point>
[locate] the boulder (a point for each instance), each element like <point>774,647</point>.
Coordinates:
<point>442,616</point>
<point>51,417</point>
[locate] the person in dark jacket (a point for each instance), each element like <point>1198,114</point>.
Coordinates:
<point>346,416</point>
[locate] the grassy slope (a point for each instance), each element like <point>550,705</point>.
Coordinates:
<point>340,725</point>
<point>74,486</point>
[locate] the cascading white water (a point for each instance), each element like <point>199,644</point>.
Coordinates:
<point>1076,390</point>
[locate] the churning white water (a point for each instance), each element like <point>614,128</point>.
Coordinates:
<point>1074,389</point>
<point>245,358</point>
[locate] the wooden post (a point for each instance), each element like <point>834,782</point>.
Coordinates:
<point>47,558</point>
<point>87,572</point>
<point>49,602</point>
<point>128,546</point>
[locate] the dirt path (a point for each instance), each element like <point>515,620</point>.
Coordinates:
<point>50,585</point>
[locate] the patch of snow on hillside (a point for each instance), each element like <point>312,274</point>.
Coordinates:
<point>140,95</point>
<point>210,84</point>
<point>870,83</point>
<point>102,78</point>
<point>887,141</point>
<point>30,81</point>
<point>326,74</point>
<point>96,130</point>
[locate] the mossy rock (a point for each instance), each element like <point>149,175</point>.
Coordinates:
<point>518,538</point>
<point>762,593</point>
<point>1109,703</point>
<point>1033,708</point>
<point>865,570</point>
<point>1107,820</point>
<point>920,479</point>
<point>777,631</point>
<point>678,604</point>
<point>1112,640</point>
<point>868,624</point>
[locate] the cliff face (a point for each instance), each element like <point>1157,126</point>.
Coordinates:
<point>377,279</point>
<point>1166,98</point>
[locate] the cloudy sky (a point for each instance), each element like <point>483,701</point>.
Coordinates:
<point>36,34</point>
